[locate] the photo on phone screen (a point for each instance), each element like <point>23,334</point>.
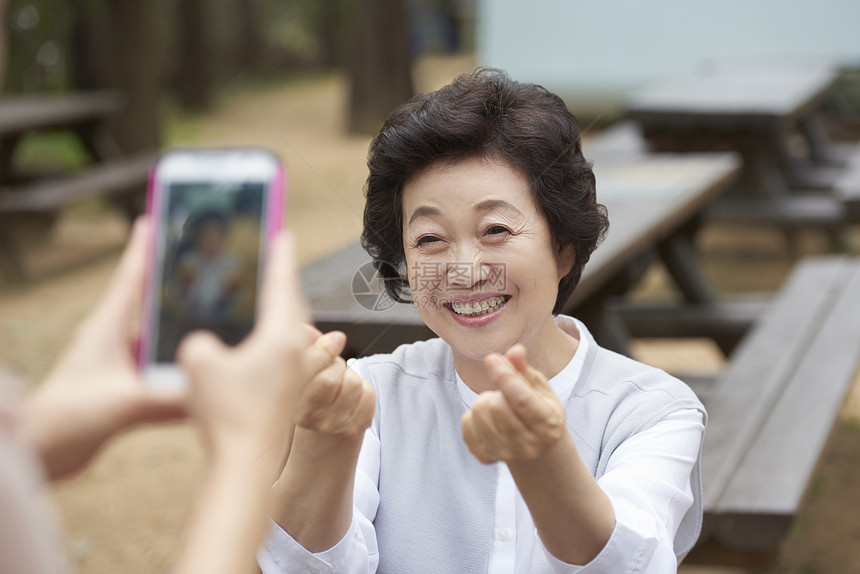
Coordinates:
<point>213,212</point>
<point>210,264</point>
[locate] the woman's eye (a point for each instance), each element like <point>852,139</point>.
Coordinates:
<point>497,229</point>
<point>425,239</point>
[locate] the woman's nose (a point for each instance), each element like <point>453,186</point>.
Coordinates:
<point>460,274</point>
<point>466,272</point>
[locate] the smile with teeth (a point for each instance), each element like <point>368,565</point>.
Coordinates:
<point>478,308</point>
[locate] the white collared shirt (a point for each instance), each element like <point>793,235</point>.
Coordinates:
<point>654,465</point>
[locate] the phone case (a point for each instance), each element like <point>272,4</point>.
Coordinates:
<point>154,204</point>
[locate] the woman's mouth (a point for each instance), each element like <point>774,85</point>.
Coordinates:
<point>476,308</point>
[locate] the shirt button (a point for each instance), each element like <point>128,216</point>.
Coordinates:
<point>504,535</point>
<point>313,570</point>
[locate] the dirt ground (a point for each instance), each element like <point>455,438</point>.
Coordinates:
<point>127,512</point>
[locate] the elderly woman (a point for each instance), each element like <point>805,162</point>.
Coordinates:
<point>513,442</point>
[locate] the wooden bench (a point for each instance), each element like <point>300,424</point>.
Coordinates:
<point>772,410</point>
<point>51,194</point>
<point>848,186</point>
<point>38,203</point>
<point>29,203</point>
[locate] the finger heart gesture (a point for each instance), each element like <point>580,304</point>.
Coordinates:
<point>336,401</point>
<point>520,420</point>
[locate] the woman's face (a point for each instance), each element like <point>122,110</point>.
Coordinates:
<point>210,239</point>
<point>482,264</point>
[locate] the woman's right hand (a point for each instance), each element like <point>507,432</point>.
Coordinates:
<point>336,401</point>
<point>312,500</point>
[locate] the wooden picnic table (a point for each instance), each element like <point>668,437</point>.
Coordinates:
<point>766,112</point>
<point>28,199</point>
<point>653,200</point>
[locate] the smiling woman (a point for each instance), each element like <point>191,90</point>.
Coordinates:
<point>513,442</point>
<point>474,238</point>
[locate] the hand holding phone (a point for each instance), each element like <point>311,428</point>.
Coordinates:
<point>214,212</point>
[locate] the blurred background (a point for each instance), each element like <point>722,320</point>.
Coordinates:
<point>313,80</point>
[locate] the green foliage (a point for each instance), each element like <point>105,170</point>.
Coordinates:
<point>50,151</point>
<point>37,36</point>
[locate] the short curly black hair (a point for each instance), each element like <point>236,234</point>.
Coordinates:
<point>483,114</point>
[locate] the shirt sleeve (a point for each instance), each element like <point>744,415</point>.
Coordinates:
<point>647,480</point>
<point>356,552</point>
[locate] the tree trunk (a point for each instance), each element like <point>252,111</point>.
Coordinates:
<point>329,31</point>
<point>251,40</point>
<point>194,74</point>
<point>137,65</point>
<point>380,68</point>
<point>118,45</point>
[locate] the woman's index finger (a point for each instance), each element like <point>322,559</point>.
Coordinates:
<point>529,406</point>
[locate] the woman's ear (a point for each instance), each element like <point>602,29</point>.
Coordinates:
<point>566,257</point>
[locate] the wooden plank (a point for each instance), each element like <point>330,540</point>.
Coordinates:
<point>759,369</point>
<point>327,273</point>
<point>723,318</point>
<point>54,193</point>
<point>19,115</point>
<point>778,466</point>
<point>848,186</point>
<point>365,338</point>
<point>621,137</point>
<point>733,97</point>
<point>803,174</point>
<point>811,210</point>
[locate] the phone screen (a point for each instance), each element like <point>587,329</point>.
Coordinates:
<point>208,262</point>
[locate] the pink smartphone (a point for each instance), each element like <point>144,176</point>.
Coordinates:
<point>214,212</point>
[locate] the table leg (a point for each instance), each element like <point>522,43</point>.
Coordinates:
<point>598,311</point>
<point>816,166</point>
<point>98,142</point>
<point>605,324</point>
<point>678,253</point>
<point>820,146</point>
<point>102,148</point>
<point>11,259</point>
<point>7,150</point>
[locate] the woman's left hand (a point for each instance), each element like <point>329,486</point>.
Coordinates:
<point>521,420</point>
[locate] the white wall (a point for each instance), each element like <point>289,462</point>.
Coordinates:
<point>593,52</point>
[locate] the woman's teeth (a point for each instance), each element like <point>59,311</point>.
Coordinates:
<point>477,308</point>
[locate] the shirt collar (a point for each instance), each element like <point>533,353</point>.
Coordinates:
<point>565,381</point>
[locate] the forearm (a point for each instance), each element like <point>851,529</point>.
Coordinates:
<point>63,441</point>
<point>313,498</point>
<point>231,516</point>
<point>572,514</point>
